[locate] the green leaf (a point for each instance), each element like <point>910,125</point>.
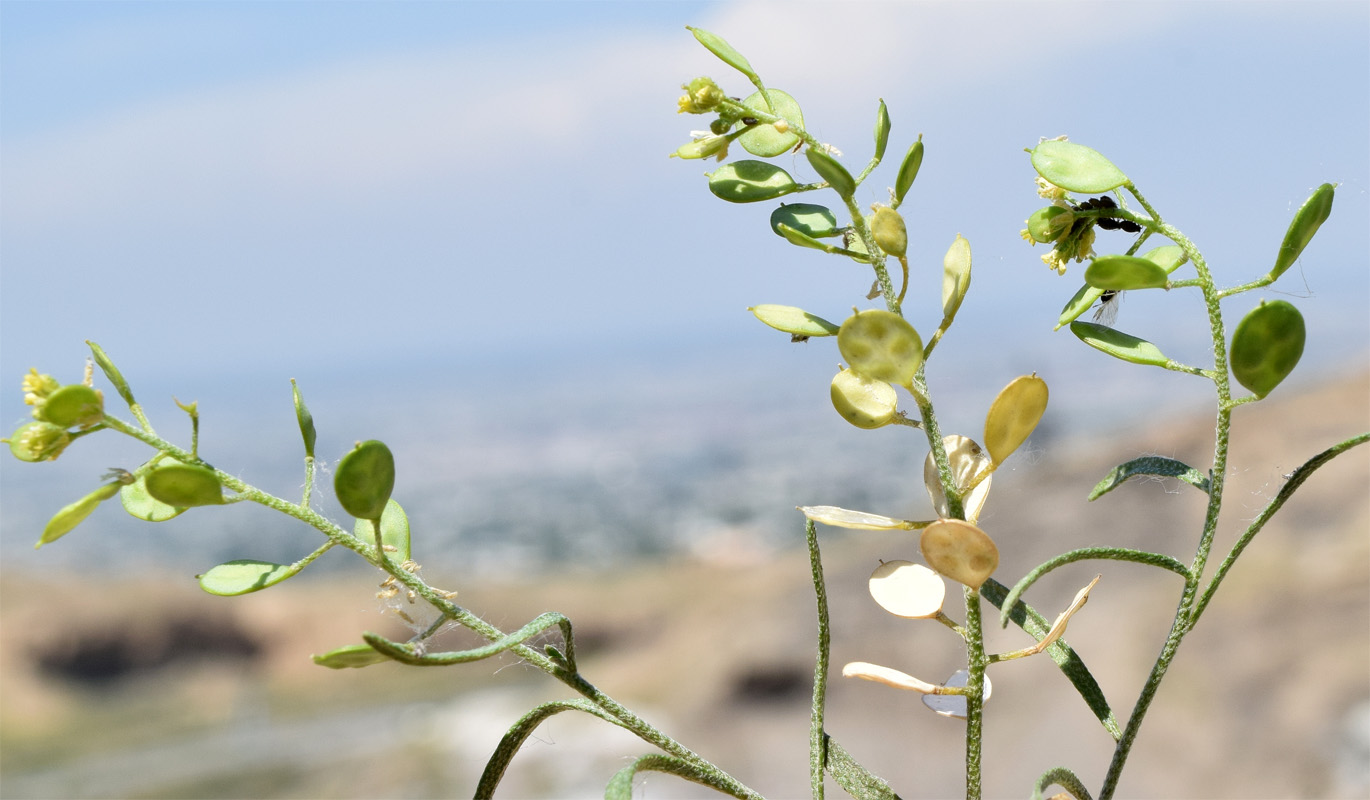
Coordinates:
<point>244,576</point>
<point>1119,344</point>
<point>65,520</point>
<point>809,219</point>
<point>72,404</point>
<point>908,170</point>
<point>520,731</point>
<point>750,181</point>
<point>138,503</point>
<point>353,656</point>
<point>305,419</point>
<point>1125,272</point>
<point>854,779</point>
<point>1065,779</point>
<point>763,139</point>
<point>184,485</point>
<point>394,531</point>
<point>1065,658</point>
<point>1150,465</point>
<point>112,373</point>
<point>882,130</point>
<point>1310,216</point>
<point>364,479</point>
<point>794,321</point>
<point>620,787</point>
<point>830,170</point>
<point>1076,168</point>
<point>715,44</point>
<point>1267,346</point>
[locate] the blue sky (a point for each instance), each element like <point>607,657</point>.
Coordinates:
<point>222,193</point>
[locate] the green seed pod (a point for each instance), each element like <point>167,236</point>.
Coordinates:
<point>1267,345</point>
<point>72,405</point>
<point>394,531</point>
<point>955,278</point>
<point>305,419</point>
<point>882,130</point>
<point>830,170</point>
<point>968,462</point>
<point>750,182</point>
<point>809,219</point>
<point>1125,272</point>
<point>1310,216</point>
<point>908,170</point>
<point>70,516</point>
<point>353,656</point>
<point>184,486</point>
<point>881,345</point>
<point>112,373</point>
<point>1168,257</point>
<point>1082,301</point>
<point>889,232</point>
<point>1013,416</point>
<point>138,503</point>
<point>864,402</point>
<point>703,148</point>
<point>364,479</point>
<point>794,321</point>
<point>907,590</point>
<point>715,44</point>
<point>38,441</point>
<point>1050,223</point>
<point>960,551</point>
<point>1119,344</point>
<point>1076,168</point>
<point>244,576</point>
<point>765,140</point>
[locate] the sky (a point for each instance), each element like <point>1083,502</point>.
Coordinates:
<point>384,198</point>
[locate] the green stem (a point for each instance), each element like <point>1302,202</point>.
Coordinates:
<point>975,691</point>
<point>818,756</point>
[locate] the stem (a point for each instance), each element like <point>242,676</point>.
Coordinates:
<point>818,755</point>
<point>975,691</point>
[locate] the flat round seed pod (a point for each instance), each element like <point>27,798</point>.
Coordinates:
<point>960,551</point>
<point>906,589</point>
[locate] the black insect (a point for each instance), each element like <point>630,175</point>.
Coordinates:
<point>1108,223</point>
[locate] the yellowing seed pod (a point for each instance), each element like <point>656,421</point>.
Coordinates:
<point>881,345</point>
<point>1013,415</point>
<point>864,402</point>
<point>955,278</point>
<point>889,231</point>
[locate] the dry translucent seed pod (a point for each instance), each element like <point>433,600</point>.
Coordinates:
<point>886,675</point>
<point>864,402</point>
<point>967,461</point>
<point>960,551</point>
<point>1013,416</point>
<point>954,705</point>
<point>909,590</point>
<point>858,520</point>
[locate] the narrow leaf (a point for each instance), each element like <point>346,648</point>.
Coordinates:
<point>407,654</point>
<point>516,735</point>
<point>1150,465</point>
<point>620,787</point>
<point>855,779</point>
<point>1064,778</point>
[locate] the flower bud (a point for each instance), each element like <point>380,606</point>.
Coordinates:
<point>39,441</point>
<point>702,96</point>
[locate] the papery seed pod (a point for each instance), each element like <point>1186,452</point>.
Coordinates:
<point>954,705</point>
<point>864,402</point>
<point>907,590</point>
<point>882,345</point>
<point>960,551</point>
<point>969,463</point>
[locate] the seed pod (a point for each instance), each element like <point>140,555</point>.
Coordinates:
<point>184,485</point>
<point>882,130</point>
<point>1267,345</point>
<point>1119,344</point>
<point>882,345</point>
<point>138,503</point>
<point>908,590</point>
<point>1076,168</point>
<point>864,402</point>
<point>967,461</point>
<point>908,170</point>
<point>305,419</point>
<point>1121,273</point>
<point>954,705</point>
<point>794,321</point>
<point>1049,223</point>
<point>364,479</point>
<point>955,278</point>
<point>716,45</point>
<point>767,141</point>
<point>960,551</point>
<point>64,521</point>
<point>353,656</point>
<point>750,182</point>
<point>1013,416</point>
<point>394,531</point>
<point>73,404</point>
<point>832,171</point>
<point>889,232</point>
<point>244,576</point>
<point>112,373</point>
<point>807,218</point>
<point>1310,216</point>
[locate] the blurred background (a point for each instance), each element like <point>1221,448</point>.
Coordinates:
<point>456,226</point>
